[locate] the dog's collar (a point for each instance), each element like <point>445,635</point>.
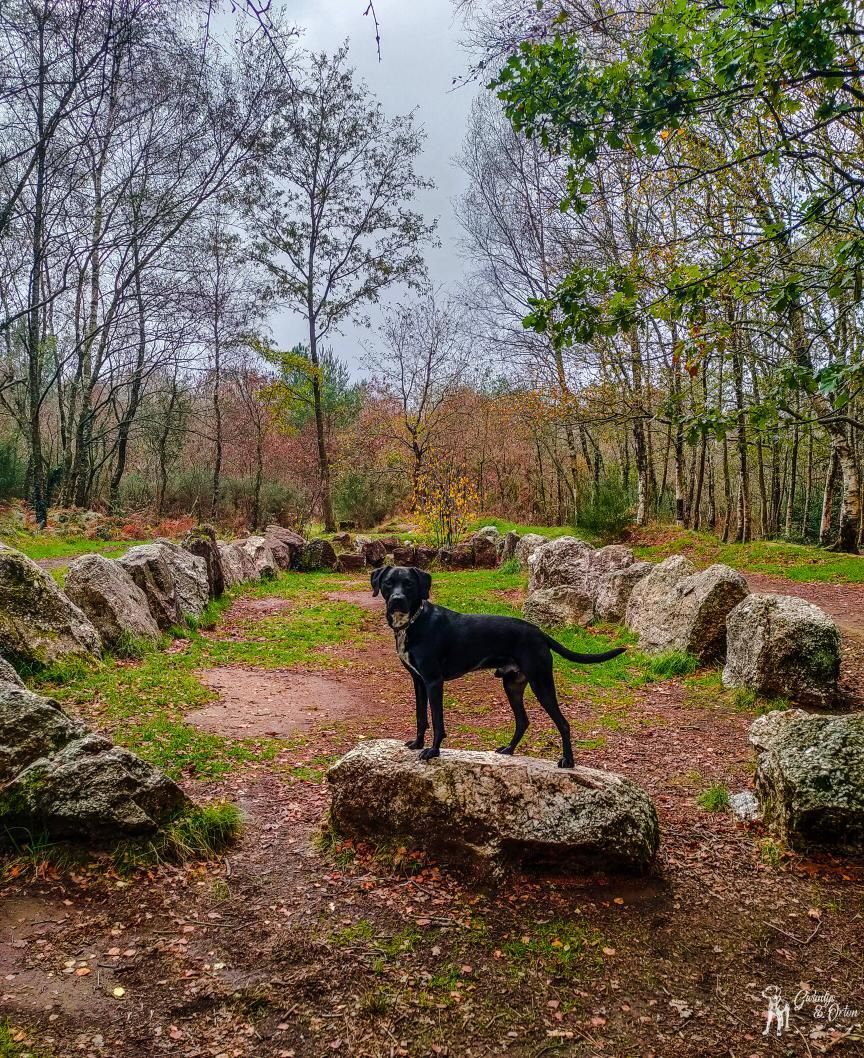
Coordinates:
<point>401,631</point>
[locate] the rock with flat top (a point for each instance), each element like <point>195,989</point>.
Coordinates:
<point>582,584</point>
<point>38,623</point>
<point>783,647</point>
<point>810,777</point>
<point>549,607</point>
<point>494,811</point>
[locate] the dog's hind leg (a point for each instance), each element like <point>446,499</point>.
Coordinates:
<point>514,687</point>
<point>543,685</point>
<point>422,719</point>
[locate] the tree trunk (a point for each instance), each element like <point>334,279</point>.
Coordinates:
<point>38,498</point>
<point>742,529</point>
<point>320,431</point>
<point>793,484</point>
<point>828,499</point>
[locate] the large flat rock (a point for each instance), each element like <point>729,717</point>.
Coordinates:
<point>494,811</point>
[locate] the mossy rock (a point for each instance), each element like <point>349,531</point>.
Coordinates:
<point>38,624</point>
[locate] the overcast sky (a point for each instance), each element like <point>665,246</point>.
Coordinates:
<point>420,56</point>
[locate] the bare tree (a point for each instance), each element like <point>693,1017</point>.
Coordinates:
<point>421,359</point>
<point>332,219</point>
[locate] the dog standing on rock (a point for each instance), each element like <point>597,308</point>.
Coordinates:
<point>436,644</point>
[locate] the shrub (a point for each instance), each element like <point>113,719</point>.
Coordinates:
<point>366,498</point>
<point>607,510</point>
<point>445,502</point>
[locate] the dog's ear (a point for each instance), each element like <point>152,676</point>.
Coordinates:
<point>424,581</point>
<point>377,574</point>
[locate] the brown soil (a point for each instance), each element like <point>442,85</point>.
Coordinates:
<point>54,563</point>
<point>362,598</point>
<point>254,703</point>
<point>282,950</point>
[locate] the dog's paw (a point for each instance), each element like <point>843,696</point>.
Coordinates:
<point>430,754</point>
<point>506,751</point>
<point>415,743</point>
<point>565,762</point>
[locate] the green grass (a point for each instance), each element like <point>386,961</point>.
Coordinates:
<point>15,1043</point>
<point>798,562</point>
<point>673,663</point>
<point>47,546</point>
<point>557,946</point>
<point>772,852</point>
<point>714,799</point>
<point>143,702</point>
<point>197,834</point>
<point>504,526</point>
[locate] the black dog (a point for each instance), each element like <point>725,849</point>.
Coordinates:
<point>436,644</point>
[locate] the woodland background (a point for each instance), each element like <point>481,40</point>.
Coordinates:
<point>169,180</point>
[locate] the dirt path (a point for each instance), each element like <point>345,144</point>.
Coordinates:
<point>285,948</point>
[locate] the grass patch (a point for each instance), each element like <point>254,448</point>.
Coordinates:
<point>142,701</point>
<point>799,562</point>
<point>772,852</point>
<point>197,834</point>
<point>16,1043</point>
<point>551,532</point>
<point>714,799</point>
<point>557,946</point>
<point>46,546</point>
<point>673,663</point>
<point>746,700</point>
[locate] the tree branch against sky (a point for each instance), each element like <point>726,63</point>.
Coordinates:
<point>332,216</point>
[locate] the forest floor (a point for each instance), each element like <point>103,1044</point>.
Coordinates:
<point>292,944</point>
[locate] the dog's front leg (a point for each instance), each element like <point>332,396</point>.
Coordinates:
<point>435,694</point>
<point>422,718</point>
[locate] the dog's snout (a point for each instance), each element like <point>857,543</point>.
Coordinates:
<point>398,602</point>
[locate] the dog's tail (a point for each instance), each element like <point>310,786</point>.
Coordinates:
<point>583,659</point>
